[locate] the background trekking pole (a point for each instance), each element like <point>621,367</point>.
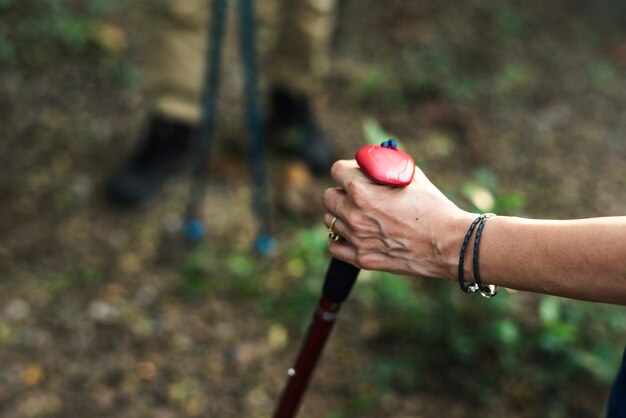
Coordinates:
<point>264,242</point>
<point>340,278</point>
<point>194,225</point>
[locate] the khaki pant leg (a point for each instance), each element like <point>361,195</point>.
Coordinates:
<point>175,58</point>
<point>301,56</point>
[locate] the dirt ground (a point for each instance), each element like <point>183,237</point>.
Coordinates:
<point>94,319</point>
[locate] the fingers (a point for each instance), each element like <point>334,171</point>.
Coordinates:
<point>336,202</point>
<point>338,226</point>
<point>341,248</point>
<point>343,251</point>
<point>344,172</point>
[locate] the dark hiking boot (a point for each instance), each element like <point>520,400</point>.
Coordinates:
<point>164,151</point>
<point>292,128</point>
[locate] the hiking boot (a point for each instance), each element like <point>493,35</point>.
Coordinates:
<point>164,151</point>
<point>292,129</point>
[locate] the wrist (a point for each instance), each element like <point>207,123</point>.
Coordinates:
<point>449,246</point>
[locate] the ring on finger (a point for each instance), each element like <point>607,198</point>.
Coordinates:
<point>332,234</point>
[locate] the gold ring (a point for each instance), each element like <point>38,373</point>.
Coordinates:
<point>332,234</point>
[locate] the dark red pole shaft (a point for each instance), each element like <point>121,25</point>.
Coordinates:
<point>340,278</point>
<point>312,347</point>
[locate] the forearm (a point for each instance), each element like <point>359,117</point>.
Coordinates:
<point>581,259</point>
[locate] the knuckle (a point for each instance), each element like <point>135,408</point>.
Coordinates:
<point>353,188</point>
<point>356,191</point>
<point>335,169</point>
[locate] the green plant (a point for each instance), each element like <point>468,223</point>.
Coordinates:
<point>371,83</point>
<point>483,192</point>
<point>38,34</point>
<point>452,335</point>
<point>373,132</point>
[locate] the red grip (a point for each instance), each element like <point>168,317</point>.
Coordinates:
<point>386,165</point>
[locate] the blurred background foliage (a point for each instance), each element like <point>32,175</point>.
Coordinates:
<point>35,34</point>
<point>515,108</point>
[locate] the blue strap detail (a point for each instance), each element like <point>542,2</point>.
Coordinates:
<point>392,144</point>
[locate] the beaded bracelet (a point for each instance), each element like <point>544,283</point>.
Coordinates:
<point>485,290</point>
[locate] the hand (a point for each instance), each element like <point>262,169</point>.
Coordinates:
<point>399,230</point>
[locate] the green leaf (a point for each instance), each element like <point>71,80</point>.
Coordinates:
<point>239,265</point>
<point>558,336</point>
<point>507,331</point>
<point>5,4</point>
<point>486,178</point>
<point>602,73</point>
<point>480,196</point>
<point>510,202</point>
<point>373,132</point>
<point>371,82</point>
<point>549,310</point>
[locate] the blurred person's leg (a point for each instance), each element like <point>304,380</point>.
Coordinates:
<point>174,69</point>
<point>175,61</point>
<point>299,65</point>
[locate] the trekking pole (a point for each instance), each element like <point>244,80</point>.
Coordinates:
<point>385,165</point>
<point>264,243</point>
<point>340,277</point>
<point>194,226</point>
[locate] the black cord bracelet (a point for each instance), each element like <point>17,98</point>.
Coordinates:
<point>485,290</point>
<point>472,287</point>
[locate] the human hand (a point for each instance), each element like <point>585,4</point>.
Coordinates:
<point>400,230</point>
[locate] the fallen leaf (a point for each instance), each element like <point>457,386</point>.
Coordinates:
<point>110,38</point>
<point>147,370</point>
<point>277,336</point>
<point>32,374</point>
